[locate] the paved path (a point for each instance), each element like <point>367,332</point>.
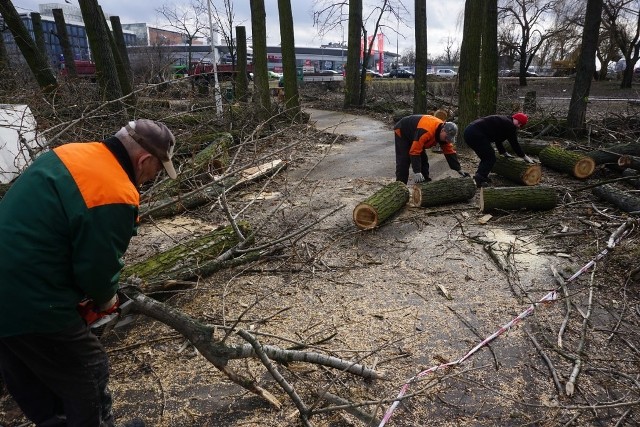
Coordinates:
<point>370,156</point>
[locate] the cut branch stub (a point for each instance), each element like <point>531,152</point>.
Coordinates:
<point>518,170</point>
<point>443,192</point>
<point>381,205</point>
<point>576,164</point>
<point>538,198</point>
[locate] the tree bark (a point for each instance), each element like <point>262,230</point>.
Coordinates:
<point>288,47</point>
<point>420,78</point>
<point>538,198</point>
<point>63,38</point>
<point>352,77</point>
<point>38,32</point>
<point>489,60</point>
<point>262,98</point>
<point>518,171</point>
<point>579,165</point>
<point>619,198</point>
<point>380,206</point>
<point>531,147</point>
<point>123,65</point>
<point>38,64</point>
<point>635,183</point>
<point>443,191</point>
<point>241,80</point>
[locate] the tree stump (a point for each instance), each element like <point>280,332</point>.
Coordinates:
<point>619,198</point>
<point>576,164</point>
<point>442,192</point>
<point>518,170</point>
<point>381,205</point>
<point>538,198</point>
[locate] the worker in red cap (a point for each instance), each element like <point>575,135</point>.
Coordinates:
<point>482,132</point>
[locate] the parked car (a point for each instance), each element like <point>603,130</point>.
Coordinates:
<point>373,74</point>
<point>400,74</point>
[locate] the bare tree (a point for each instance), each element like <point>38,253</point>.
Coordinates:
<point>622,18</point>
<point>586,66</point>
<point>288,44</point>
<point>188,19</point>
<point>225,23</point>
<point>489,60</point>
<point>469,71</point>
<point>63,38</point>
<point>38,64</point>
<point>351,89</point>
<point>420,78</point>
<point>533,20</point>
<point>261,97</point>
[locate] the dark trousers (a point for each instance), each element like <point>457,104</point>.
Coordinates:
<point>483,149</point>
<point>58,379</point>
<point>403,160</point>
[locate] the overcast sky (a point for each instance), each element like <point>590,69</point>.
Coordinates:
<point>443,21</point>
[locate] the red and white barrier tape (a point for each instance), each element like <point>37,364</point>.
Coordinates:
<point>617,236</point>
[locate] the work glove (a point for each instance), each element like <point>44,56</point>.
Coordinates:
<point>91,312</point>
<point>506,155</point>
<point>528,159</point>
<point>463,174</point>
<point>418,178</point>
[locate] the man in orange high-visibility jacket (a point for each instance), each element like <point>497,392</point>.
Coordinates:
<point>413,135</point>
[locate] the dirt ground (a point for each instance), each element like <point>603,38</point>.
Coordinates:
<point>421,290</point>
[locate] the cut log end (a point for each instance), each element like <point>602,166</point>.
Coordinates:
<point>365,216</point>
<point>584,167</point>
<point>532,175</point>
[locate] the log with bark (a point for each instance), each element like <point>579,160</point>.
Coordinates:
<point>579,165</point>
<point>518,170</point>
<point>530,146</point>
<point>380,206</point>
<point>625,201</point>
<point>538,198</point>
<point>208,192</point>
<point>627,161</point>
<point>198,257</point>
<point>602,157</point>
<point>634,176</point>
<point>443,192</point>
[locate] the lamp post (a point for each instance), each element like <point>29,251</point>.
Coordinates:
<point>214,51</point>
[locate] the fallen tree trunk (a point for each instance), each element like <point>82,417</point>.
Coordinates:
<point>208,192</point>
<point>443,192</point>
<point>518,170</point>
<point>635,183</point>
<point>381,205</point>
<point>629,162</point>
<point>576,164</point>
<point>530,146</point>
<point>602,157</point>
<point>538,198</point>
<point>189,260</point>
<point>617,197</point>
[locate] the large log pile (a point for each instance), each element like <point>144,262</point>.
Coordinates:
<point>579,165</point>
<point>538,198</point>
<point>518,171</point>
<point>442,192</point>
<point>381,205</point>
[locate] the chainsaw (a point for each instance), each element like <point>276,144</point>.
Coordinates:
<point>101,323</point>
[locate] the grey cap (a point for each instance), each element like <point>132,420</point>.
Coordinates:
<point>451,129</point>
<point>156,139</point>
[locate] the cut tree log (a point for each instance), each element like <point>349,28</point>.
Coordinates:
<point>517,170</point>
<point>627,161</point>
<point>602,157</point>
<point>579,165</point>
<point>208,192</point>
<point>538,198</point>
<point>635,183</point>
<point>189,260</point>
<point>617,197</point>
<point>443,192</point>
<point>380,206</point>
<point>532,147</point>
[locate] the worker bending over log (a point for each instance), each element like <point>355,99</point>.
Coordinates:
<point>482,132</point>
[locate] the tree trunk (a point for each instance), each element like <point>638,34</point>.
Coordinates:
<point>469,71</point>
<point>489,60</point>
<point>530,146</point>
<point>123,65</point>
<point>586,67</point>
<point>262,98</point>
<point>604,156</point>
<point>38,33</point>
<point>352,77</point>
<point>635,183</point>
<point>578,165</point>
<point>518,171</point>
<point>619,198</point>
<point>538,198</point>
<point>63,38</point>
<point>241,80</point>
<point>631,162</point>
<point>420,78</point>
<point>38,64</point>
<point>100,45</point>
<point>632,149</point>
<point>443,191</point>
<point>288,48</point>
<point>380,206</point>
